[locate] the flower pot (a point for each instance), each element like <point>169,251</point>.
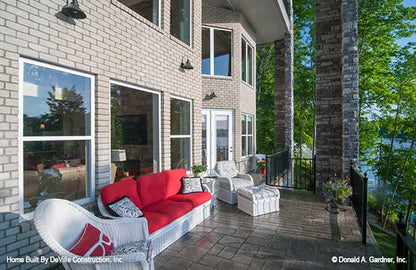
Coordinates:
<point>200,175</point>
<point>335,207</point>
<point>262,170</point>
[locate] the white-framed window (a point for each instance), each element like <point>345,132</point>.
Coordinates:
<point>135,129</point>
<point>216,51</point>
<point>181,20</point>
<point>247,60</point>
<point>56,134</point>
<point>148,9</point>
<point>180,133</point>
<point>246,135</point>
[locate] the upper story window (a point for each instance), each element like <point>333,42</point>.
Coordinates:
<point>246,62</point>
<point>216,51</point>
<point>180,20</point>
<point>149,9</point>
<point>57,134</point>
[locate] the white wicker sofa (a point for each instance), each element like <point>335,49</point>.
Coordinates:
<point>169,214</point>
<point>230,181</point>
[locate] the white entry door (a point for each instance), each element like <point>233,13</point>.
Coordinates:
<point>217,137</point>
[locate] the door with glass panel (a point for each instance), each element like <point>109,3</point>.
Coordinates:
<point>217,137</point>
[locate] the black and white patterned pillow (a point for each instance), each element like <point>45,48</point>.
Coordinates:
<point>191,185</point>
<point>124,207</point>
<point>141,246</point>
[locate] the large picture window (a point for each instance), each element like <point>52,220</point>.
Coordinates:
<point>180,133</point>
<point>134,130</point>
<point>57,133</point>
<point>247,56</point>
<point>216,51</point>
<point>149,9</point>
<point>180,20</point>
<point>246,135</point>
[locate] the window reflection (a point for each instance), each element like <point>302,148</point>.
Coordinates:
<point>55,103</point>
<point>180,130</point>
<point>180,20</point>
<point>134,131</point>
<point>222,53</point>
<point>149,9</point>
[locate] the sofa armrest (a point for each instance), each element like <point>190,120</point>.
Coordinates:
<point>226,181</point>
<point>103,210</point>
<point>246,176</point>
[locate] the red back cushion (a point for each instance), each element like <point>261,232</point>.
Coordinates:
<point>151,188</point>
<point>86,246</point>
<point>115,191</point>
<point>173,181</point>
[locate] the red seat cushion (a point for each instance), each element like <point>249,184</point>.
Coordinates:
<point>172,209</point>
<point>115,191</point>
<point>151,188</point>
<point>155,220</point>
<point>86,244</point>
<point>196,199</point>
<point>173,181</point>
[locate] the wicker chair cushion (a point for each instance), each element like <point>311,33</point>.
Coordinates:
<point>237,183</point>
<point>226,169</point>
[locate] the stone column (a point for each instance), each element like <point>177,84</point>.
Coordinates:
<point>351,93</point>
<point>329,90</point>
<point>283,90</point>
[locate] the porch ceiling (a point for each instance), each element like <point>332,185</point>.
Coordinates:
<point>268,18</point>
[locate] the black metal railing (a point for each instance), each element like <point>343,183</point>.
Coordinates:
<point>359,199</point>
<point>405,246</point>
<point>284,171</point>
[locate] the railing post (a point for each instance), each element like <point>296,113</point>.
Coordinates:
<point>267,170</point>
<point>314,173</point>
<point>364,210</point>
<point>401,248</point>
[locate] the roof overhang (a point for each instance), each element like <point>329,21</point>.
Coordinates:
<point>268,18</point>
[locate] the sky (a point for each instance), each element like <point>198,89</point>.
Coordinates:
<point>404,41</point>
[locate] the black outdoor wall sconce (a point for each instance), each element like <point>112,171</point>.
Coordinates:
<point>210,96</point>
<point>187,64</point>
<point>73,10</point>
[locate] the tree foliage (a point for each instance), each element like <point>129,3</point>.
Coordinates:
<point>304,82</point>
<point>387,102</point>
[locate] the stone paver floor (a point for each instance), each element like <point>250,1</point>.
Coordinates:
<point>302,235</point>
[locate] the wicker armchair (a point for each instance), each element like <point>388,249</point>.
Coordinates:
<point>229,181</point>
<point>60,223</point>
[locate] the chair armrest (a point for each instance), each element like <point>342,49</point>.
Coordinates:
<point>246,176</point>
<point>123,231</point>
<point>225,180</point>
<point>205,188</point>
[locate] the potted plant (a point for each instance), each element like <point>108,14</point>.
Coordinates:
<point>337,192</point>
<point>261,163</point>
<point>199,170</point>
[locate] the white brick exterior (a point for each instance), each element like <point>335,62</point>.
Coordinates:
<point>232,93</point>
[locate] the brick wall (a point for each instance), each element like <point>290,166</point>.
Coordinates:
<point>112,43</point>
<point>232,93</point>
